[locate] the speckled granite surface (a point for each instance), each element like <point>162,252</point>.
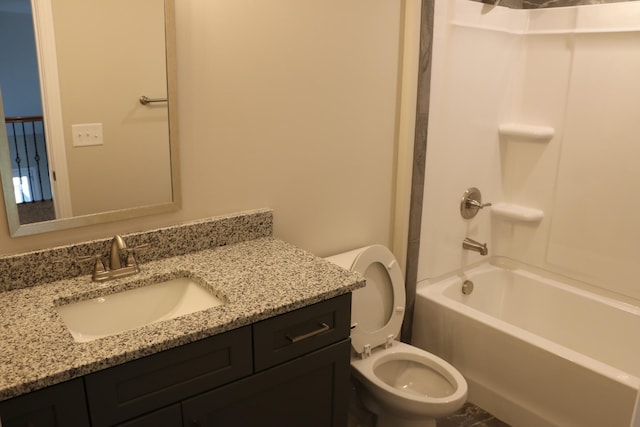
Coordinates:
<point>34,268</point>
<point>257,278</point>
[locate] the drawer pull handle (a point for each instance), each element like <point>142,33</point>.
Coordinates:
<point>323,328</point>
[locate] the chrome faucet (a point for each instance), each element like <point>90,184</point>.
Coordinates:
<point>116,268</point>
<point>472,245</point>
<point>117,247</point>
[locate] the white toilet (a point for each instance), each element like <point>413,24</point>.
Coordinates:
<point>403,385</point>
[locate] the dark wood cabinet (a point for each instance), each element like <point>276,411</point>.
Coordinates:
<point>170,416</point>
<point>61,405</point>
<point>123,392</point>
<point>289,370</point>
<point>310,391</point>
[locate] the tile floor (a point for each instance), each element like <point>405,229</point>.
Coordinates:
<point>470,416</point>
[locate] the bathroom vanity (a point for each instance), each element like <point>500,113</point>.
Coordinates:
<point>276,352</point>
<point>286,370</point>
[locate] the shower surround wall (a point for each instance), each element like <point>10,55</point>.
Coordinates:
<point>570,69</point>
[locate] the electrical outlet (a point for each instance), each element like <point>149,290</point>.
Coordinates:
<point>87,134</point>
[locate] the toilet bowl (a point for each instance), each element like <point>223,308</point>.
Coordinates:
<point>403,385</point>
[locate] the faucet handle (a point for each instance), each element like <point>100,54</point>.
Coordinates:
<point>98,267</point>
<point>471,203</point>
<point>131,252</point>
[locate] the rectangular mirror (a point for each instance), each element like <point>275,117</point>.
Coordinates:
<point>105,147</point>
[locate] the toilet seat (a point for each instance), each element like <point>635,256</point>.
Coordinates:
<point>377,310</point>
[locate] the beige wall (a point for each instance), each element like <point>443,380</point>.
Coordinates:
<point>104,69</point>
<point>287,104</point>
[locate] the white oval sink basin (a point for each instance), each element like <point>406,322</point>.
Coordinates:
<point>95,318</point>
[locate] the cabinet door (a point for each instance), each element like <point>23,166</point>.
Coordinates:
<point>165,417</point>
<point>61,405</point>
<point>144,385</point>
<point>310,391</point>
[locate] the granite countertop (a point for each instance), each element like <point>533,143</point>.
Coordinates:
<point>258,279</point>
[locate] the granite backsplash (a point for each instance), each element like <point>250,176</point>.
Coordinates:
<point>49,265</point>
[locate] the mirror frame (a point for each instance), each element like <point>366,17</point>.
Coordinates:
<point>16,229</point>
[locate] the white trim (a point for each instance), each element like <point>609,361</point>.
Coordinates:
<point>51,105</point>
<point>406,119</point>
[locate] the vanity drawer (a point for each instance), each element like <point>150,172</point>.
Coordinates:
<point>134,388</point>
<point>290,335</point>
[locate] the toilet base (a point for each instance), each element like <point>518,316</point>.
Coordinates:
<point>386,418</point>
<point>359,415</point>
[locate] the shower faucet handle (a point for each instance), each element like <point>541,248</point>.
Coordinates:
<point>476,204</point>
<point>471,203</point>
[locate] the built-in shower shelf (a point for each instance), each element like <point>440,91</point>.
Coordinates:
<point>515,212</point>
<point>529,132</point>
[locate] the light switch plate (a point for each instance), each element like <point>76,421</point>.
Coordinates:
<point>87,134</point>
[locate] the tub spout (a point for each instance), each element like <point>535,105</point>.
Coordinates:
<point>472,245</point>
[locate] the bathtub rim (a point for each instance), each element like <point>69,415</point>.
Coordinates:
<point>580,287</point>
<point>432,289</point>
<point>548,272</point>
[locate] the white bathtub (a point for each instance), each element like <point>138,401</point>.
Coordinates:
<point>535,352</point>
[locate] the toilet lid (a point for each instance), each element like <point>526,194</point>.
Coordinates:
<point>377,310</point>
